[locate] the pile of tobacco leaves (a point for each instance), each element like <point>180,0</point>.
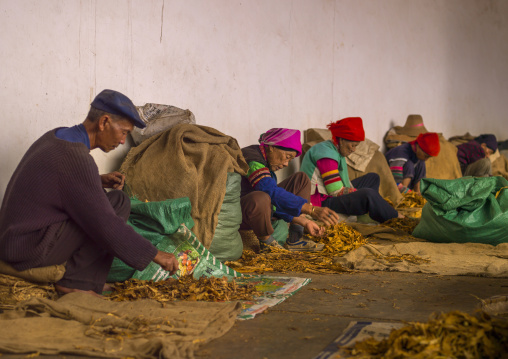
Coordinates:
<point>338,240</point>
<point>404,224</point>
<point>184,288</point>
<point>411,200</point>
<point>449,335</point>
<point>283,261</point>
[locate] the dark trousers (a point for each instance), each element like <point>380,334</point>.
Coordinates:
<point>365,200</point>
<point>257,205</point>
<point>87,262</point>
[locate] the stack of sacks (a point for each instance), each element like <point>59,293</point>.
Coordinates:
<point>367,158</point>
<point>444,166</point>
<point>200,163</point>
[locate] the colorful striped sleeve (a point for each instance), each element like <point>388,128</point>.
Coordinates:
<point>257,171</point>
<point>399,169</point>
<point>329,170</point>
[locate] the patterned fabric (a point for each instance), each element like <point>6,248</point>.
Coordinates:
<point>325,149</point>
<point>259,178</point>
<point>403,163</point>
<point>257,171</point>
<point>329,170</point>
<point>282,137</point>
<point>468,153</point>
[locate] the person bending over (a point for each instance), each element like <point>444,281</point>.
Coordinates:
<point>407,161</point>
<point>262,198</point>
<point>55,209</point>
<point>474,156</point>
<point>325,165</point>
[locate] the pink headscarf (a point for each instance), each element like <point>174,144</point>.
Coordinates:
<point>282,137</point>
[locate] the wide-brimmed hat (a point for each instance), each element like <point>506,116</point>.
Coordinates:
<point>413,127</point>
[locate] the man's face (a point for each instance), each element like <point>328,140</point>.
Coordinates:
<point>488,151</point>
<point>277,158</point>
<point>113,133</point>
<point>421,154</point>
<point>346,147</point>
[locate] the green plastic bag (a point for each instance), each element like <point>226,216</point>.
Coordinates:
<point>227,243</point>
<point>468,209</point>
<point>153,220</point>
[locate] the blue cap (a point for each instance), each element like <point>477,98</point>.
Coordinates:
<point>489,140</point>
<point>115,103</point>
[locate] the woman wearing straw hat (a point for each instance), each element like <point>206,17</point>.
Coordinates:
<point>407,161</point>
<point>262,198</point>
<point>325,165</point>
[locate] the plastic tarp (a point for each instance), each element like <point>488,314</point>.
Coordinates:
<point>468,209</point>
<point>153,220</point>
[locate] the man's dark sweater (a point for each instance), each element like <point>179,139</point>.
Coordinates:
<point>57,181</point>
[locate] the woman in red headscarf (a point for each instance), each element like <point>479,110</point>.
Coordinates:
<point>407,161</point>
<point>325,165</point>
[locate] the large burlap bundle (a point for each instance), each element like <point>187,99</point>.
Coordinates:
<point>79,323</point>
<point>185,161</point>
<point>500,165</point>
<point>445,165</point>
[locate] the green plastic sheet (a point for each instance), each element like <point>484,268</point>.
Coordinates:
<point>153,220</point>
<point>468,209</point>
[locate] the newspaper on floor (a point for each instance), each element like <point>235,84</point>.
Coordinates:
<point>357,331</point>
<point>194,259</point>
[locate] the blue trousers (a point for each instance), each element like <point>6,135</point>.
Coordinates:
<point>365,200</point>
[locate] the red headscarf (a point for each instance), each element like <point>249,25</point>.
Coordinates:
<point>429,143</point>
<point>349,128</point>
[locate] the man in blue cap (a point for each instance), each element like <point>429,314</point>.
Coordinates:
<point>55,209</point>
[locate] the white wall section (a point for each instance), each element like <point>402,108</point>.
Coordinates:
<point>246,66</point>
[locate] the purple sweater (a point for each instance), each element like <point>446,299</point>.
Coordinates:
<point>57,181</point>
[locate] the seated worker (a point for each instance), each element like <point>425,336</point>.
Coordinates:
<point>407,161</point>
<point>56,211</point>
<point>262,198</point>
<point>325,165</point>
<point>474,156</point>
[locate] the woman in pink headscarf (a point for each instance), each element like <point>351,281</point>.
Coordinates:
<point>262,198</point>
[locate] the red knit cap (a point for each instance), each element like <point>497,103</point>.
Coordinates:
<point>429,143</point>
<point>349,128</point>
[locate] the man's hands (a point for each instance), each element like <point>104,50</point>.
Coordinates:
<point>325,215</point>
<point>167,261</point>
<point>113,180</point>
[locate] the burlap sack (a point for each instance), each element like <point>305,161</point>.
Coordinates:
<point>51,274</point>
<point>446,165</point>
<point>185,161</point>
<point>81,324</point>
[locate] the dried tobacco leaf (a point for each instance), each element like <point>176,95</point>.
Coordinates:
<point>411,200</point>
<point>338,240</point>
<point>185,288</point>
<point>448,335</point>
<point>405,224</point>
<point>281,260</point>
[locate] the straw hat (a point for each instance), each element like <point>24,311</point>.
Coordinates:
<point>413,127</point>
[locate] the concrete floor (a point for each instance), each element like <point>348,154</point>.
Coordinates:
<point>304,324</point>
